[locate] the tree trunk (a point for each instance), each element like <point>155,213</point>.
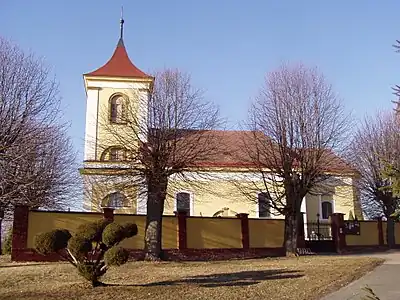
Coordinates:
<point>157,190</point>
<point>290,239</point>
<point>1,229</point>
<point>390,234</point>
<point>1,244</point>
<point>96,283</point>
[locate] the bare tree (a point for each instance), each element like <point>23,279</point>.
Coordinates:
<point>298,128</point>
<point>374,146</point>
<point>34,149</point>
<point>42,174</point>
<point>165,135</point>
<point>396,88</point>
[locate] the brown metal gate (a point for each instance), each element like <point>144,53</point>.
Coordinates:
<point>319,237</point>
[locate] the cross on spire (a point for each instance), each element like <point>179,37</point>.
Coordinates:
<point>121,22</point>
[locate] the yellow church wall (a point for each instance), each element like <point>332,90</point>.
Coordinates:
<point>205,233</point>
<point>39,222</point>
<point>312,207</point>
<point>209,197</point>
<point>212,196</point>
<point>266,233</point>
<point>344,202</point>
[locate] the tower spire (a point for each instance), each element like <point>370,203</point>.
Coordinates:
<point>121,22</point>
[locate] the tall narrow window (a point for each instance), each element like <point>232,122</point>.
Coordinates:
<point>117,109</point>
<point>263,205</point>
<point>183,202</point>
<point>327,209</point>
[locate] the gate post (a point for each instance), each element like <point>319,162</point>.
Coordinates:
<point>182,229</point>
<point>338,234</point>
<point>244,222</point>
<point>20,232</point>
<point>108,214</point>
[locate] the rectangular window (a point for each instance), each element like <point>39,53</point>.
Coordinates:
<point>263,205</point>
<point>183,202</point>
<point>327,209</point>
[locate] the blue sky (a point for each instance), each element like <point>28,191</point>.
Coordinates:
<point>227,46</point>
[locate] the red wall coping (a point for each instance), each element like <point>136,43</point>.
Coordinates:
<point>66,212</point>
<point>267,219</point>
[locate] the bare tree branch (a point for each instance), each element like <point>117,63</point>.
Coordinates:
<point>165,135</point>
<point>36,157</point>
<point>298,130</point>
<point>376,144</point>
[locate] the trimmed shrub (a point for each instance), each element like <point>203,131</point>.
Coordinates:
<point>116,256</point>
<point>92,250</point>
<point>62,236</point>
<point>53,241</point>
<point>91,272</point>
<point>130,229</point>
<point>92,231</point>
<point>113,234</point>
<point>79,247</point>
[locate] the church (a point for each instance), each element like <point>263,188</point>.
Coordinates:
<point>119,83</point>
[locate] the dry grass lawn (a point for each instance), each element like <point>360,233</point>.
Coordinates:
<point>282,278</point>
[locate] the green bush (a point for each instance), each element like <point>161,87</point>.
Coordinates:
<point>79,246</point>
<point>93,248</point>
<point>116,256</point>
<point>62,236</point>
<point>130,229</point>
<point>7,243</point>
<point>92,231</point>
<point>113,234</point>
<point>53,241</point>
<point>90,271</point>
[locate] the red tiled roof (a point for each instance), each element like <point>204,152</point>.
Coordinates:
<point>238,149</point>
<point>119,65</point>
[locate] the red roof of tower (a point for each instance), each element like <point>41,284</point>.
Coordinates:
<point>119,65</point>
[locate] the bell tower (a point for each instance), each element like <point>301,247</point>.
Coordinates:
<point>110,89</point>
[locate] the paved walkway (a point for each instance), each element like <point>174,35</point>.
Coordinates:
<point>384,280</point>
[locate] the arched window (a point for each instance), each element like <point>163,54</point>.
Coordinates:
<point>183,202</point>
<point>263,205</point>
<point>117,109</point>
<point>327,209</point>
<point>115,200</point>
<point>114,153</point>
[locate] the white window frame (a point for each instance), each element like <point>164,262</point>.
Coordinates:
<point>120,108</point>
<point>258,207</point>
<point>320,201</point>
<point>191,201</point>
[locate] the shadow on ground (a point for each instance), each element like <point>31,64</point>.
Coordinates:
<point>244,278</point>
